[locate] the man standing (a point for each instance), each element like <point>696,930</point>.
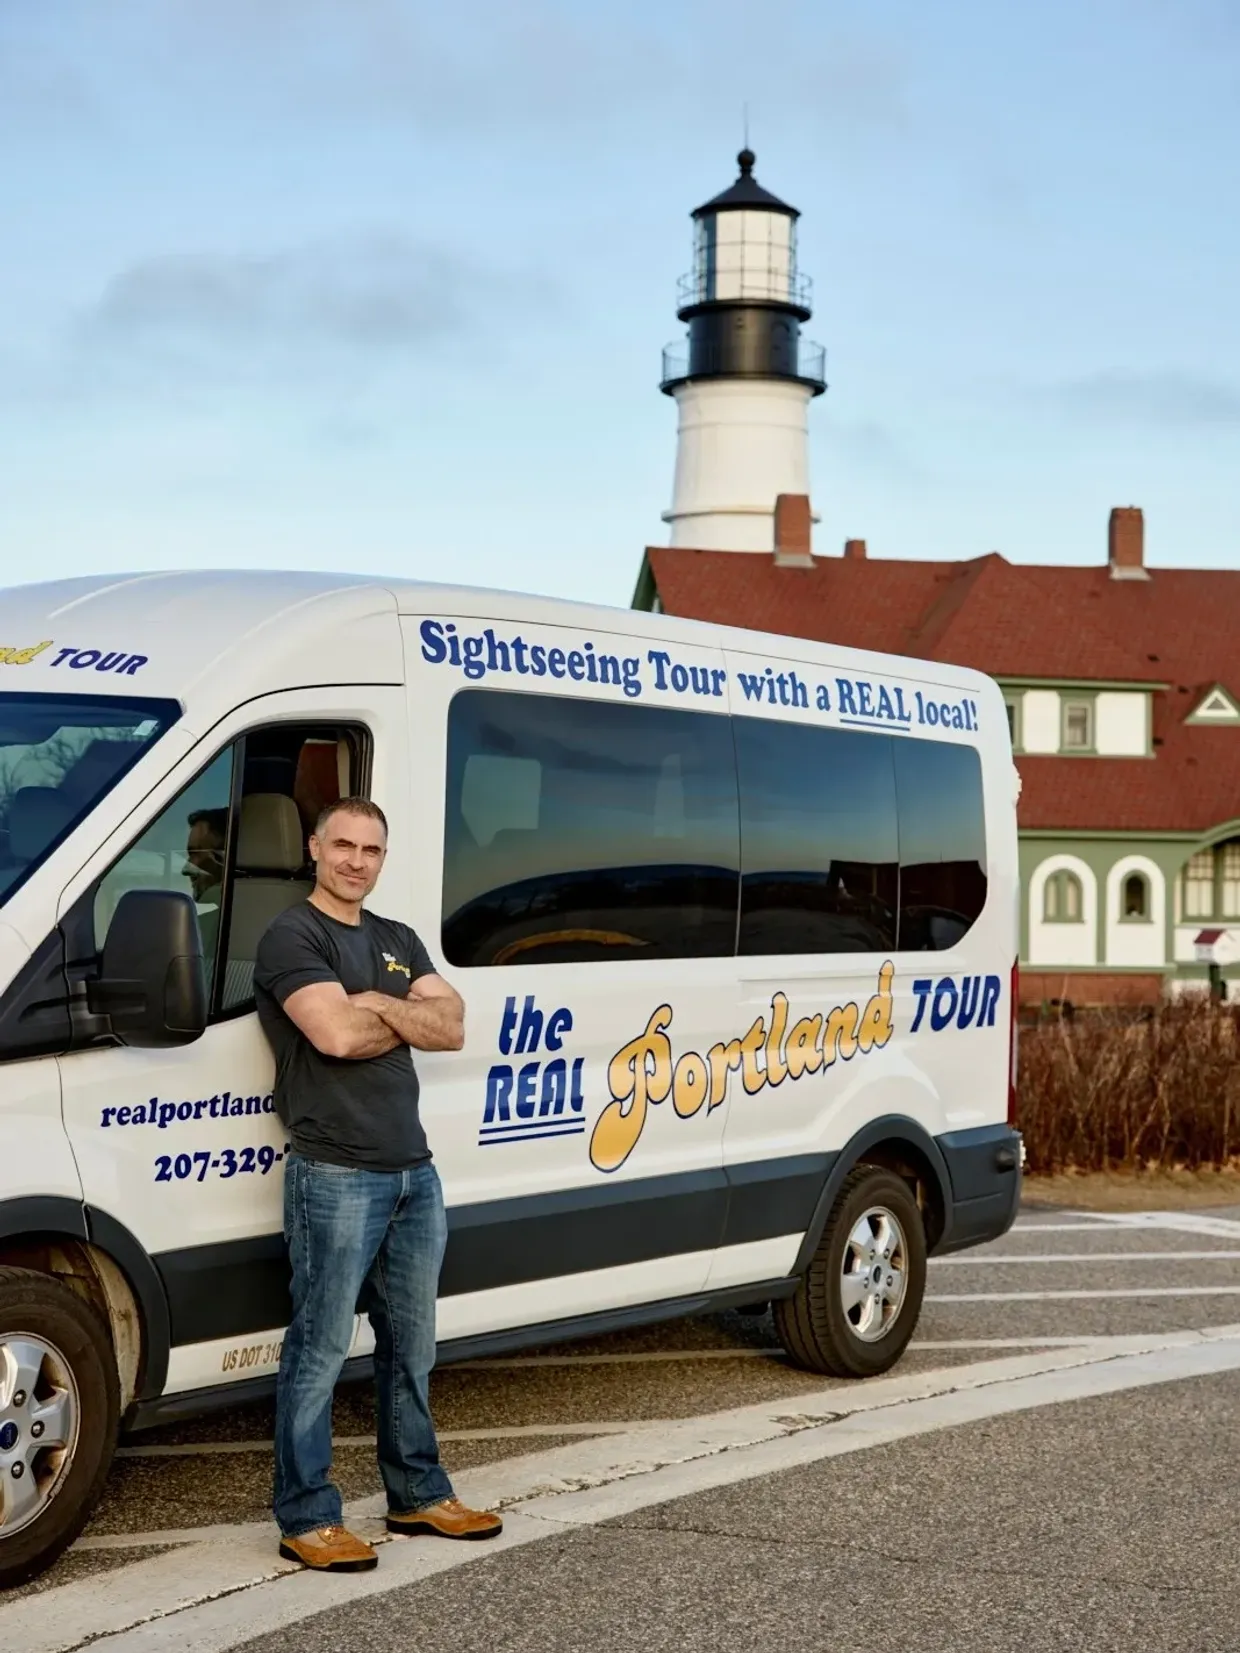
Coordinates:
<point>342,995</point>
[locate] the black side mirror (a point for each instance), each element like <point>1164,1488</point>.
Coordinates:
<point>152,985</point>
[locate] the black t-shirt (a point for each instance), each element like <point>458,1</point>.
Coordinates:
<point>347,1111</point>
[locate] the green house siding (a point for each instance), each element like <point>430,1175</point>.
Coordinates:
<point>1100,852</point>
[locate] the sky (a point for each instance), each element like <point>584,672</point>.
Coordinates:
<point>381,285</point>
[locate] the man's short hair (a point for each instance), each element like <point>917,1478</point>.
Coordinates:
<point>216,819</point>
<point>350,806</point>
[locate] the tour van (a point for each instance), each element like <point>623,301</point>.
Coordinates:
<point>734,918</point>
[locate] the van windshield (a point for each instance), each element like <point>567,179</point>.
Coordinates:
<point>59,755</point>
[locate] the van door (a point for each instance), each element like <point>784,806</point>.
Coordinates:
<point>863,852</point>
<point>182,1146</point>
<point>576,835</point>
<point>817,932</point>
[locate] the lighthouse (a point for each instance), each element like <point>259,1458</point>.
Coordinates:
<point>743,378</point>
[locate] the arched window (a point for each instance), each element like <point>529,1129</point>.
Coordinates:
<point>1210,882</point>
<point>1062,899</point>
<point>1135,898</point>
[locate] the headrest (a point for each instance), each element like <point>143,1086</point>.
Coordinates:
<point>37,815</point>
<point>269,837</point>
<point>98,765</point>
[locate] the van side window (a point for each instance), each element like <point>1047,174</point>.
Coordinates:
<point>820,854</point>
<point>237,840</point>
<point>584,830</point>
<point>857,842</point>
<point>942,842</point>
<point>580,830</point>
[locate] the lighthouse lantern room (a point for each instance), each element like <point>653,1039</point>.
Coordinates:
<point>743,378</point>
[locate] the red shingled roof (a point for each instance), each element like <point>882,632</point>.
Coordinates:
<point>1181,627</point>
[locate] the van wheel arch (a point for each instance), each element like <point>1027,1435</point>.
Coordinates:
<point>98,1259</point>
<point>892,1143</point>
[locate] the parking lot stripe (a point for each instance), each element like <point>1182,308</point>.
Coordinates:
<point>1065,1296</point>
<point>1027,1227</point>
<point>1183,1222</point>
<point>991,1260</point>
<point>517,1432</point>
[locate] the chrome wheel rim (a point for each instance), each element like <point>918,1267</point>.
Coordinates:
<point>40,1416</point>
<point>874,1277</point>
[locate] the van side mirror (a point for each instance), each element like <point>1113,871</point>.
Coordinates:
<point>152,985</point>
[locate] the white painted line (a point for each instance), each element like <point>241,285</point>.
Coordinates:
<point>639,1357</point>
<point>990,1260</point>
<point>517,1432</point>
<point>1053,1228</point>
<point>660,1464</point>
<point>1183,1222</point>
<point>1065,1296</point>
<point>1086,1338</point>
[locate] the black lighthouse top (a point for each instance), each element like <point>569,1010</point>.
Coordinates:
<point>744,299</point>
<point>745,192</point>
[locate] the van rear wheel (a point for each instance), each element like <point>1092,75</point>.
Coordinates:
<point>59,1409</point>
<point>858,1302</point>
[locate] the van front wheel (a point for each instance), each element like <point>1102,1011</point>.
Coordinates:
<point>59,1407</point>
<point>858,1302</point>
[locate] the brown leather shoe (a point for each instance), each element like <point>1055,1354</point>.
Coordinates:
<point>448,1519</point>
<point>330,1550</point>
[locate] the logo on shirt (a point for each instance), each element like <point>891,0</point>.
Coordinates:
<point>395,964</point>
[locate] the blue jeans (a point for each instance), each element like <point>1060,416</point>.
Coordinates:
<point>358,1239</point>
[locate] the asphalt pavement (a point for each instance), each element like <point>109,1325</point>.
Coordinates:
<point>1049,1467</point>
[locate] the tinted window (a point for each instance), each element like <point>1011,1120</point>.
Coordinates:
<point>236,840</point>
<point>581,830</point>
<point>857,842</point>
<point>184,849</point>
<point>942,842</point>
<point>819,848</point>
<point>59,755</point>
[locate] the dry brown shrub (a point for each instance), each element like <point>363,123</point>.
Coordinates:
<point>1105,1091</point>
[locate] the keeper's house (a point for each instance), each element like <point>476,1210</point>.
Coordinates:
<point>1123,690</point>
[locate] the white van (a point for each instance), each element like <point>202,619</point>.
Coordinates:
<point>734,918</point>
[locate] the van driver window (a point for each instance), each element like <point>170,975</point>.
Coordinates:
<point>241,862</point>
<point>184,850</point>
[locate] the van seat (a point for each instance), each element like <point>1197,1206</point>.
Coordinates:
<point>270,878</point>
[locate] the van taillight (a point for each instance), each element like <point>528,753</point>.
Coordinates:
<point>1013,1039</point>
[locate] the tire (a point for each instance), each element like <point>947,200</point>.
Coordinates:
<point>58,1382</point>
<point>814,1325</point>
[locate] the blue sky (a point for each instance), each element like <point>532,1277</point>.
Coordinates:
<point>381,285</point>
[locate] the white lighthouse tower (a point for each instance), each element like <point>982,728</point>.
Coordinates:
<point>743,379</point>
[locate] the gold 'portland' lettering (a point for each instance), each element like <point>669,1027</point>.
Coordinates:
<point>22,657</point>
<point>642,1074</point>
<point>638,1074</point>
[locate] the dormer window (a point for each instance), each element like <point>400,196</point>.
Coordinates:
<point>1078,726</point>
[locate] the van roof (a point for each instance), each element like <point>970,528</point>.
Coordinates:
<point>186,626</point>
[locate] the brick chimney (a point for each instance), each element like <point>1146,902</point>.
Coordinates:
<point>855,550</point>
<point>1126,544</point>
<point>793,527</point>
